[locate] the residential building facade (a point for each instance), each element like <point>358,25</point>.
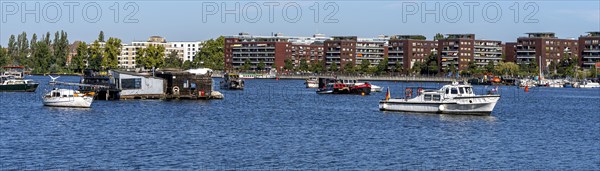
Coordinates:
<point>589,46</point>
<point>543,48</point>
<point>408,49</point>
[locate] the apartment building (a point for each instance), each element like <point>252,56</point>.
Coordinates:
<point>340,50</point>
<point>373,50</point>
<point>408,49</point>
<point>456,50</point>
<point>129,52</point>
<point>589,46</point>
<point>486,51</point>
<point>544,47</point>
<point>189,48</point>
<point>310,49</point>
<point>271,50</point>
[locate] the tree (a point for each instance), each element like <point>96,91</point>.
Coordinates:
<point>3,56</point>
<point>151,57</point>
<point>303,65</point>
<point>41,58</point>
<point>417,66</point>
<point>212,54</point>
<point>60,47</point>
<point>112,49</point>
<point>438,36</point>
<point>247,65</point>
<point>101,36</point>
<point>383,65</point>
<point>173,61</point>
<point>289,64</point>
<point>261,65</point>
<point>333,67</point>
<point>78,61</point>
<point>95,55</point>
<point>12,50</point>
<point>507,68</point>
<point>364,65</point>
<point>350,68</point>
<point>318,66</point>
<point>490,67</point>
<point>187,65</point>
<point>398,67</point>
<point>22,48</point>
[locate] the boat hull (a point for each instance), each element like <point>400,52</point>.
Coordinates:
<point>75,102</point>
<point>482,105</point>
<point>312,84</point>
<point>18,88</point>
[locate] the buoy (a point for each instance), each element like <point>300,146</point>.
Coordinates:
<point>526,88</point>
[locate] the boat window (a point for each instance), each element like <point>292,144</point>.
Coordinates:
<point>462,90</point>
<point>447,91</point>
<point>436,97</point>
<point>427,97</point>
<point>469,90</point>
<point>454,91</point>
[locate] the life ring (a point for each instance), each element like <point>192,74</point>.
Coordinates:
<point>408,92</point>
<point>176,90</point>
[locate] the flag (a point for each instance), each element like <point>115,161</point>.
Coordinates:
<point>387,95</point>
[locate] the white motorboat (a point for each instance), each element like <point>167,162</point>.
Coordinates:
<point>588,84</point>
<point>312,82</point>
<point>450,99</point>
<point>68,98</point>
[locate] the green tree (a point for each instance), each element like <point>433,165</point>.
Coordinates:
<point>22,48</point>
<point>187,65</point>
<point>364,65</point>
<point>383,65</point>
<point>41,58</point>
<point>350,68</point>
<point>507,68</point>
<point>78,61</point>
<point>212,54</point>
<point>398,67</point>
<point>247,65</point>
<point>261,65</point>
<point>417,66</point>
<point>12,50</point>
<point>151,57</point>
<point>490,67</point>
<point>303,65</point>
<point>95,54</point>
<point>289,65</point>
<point>318,66</point>
<point>101,36</point>
<point>438,36</point>
<point>333,67</point>
<point>173,61</point>
<point>112,49</point>
<point>3,56</point>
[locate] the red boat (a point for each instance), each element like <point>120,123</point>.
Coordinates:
<point>335,86</point>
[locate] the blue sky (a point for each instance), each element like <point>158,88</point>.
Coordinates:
<point>200,20</point>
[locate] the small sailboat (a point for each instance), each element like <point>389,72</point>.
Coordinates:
<point>68,98</point>
<point>60,97</point>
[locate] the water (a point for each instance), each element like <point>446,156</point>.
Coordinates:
<point>282,125</point>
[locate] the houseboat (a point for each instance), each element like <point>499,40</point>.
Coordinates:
<point>450,99</point>
<point>232,82</point>
<point>335,86</point>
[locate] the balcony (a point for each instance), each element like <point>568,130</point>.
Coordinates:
<point>527,57</point>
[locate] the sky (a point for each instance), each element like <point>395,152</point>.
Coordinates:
<point>188,20</point>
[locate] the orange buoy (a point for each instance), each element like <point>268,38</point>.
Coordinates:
<point>526,88</point>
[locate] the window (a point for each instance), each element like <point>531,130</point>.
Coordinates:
<point>131,83</point>
<point>462,90</point>
<point>454,91</point>
<point>436,97</point>
<point>427,97</point>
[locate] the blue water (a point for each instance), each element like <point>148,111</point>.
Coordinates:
<point>282,125</point>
